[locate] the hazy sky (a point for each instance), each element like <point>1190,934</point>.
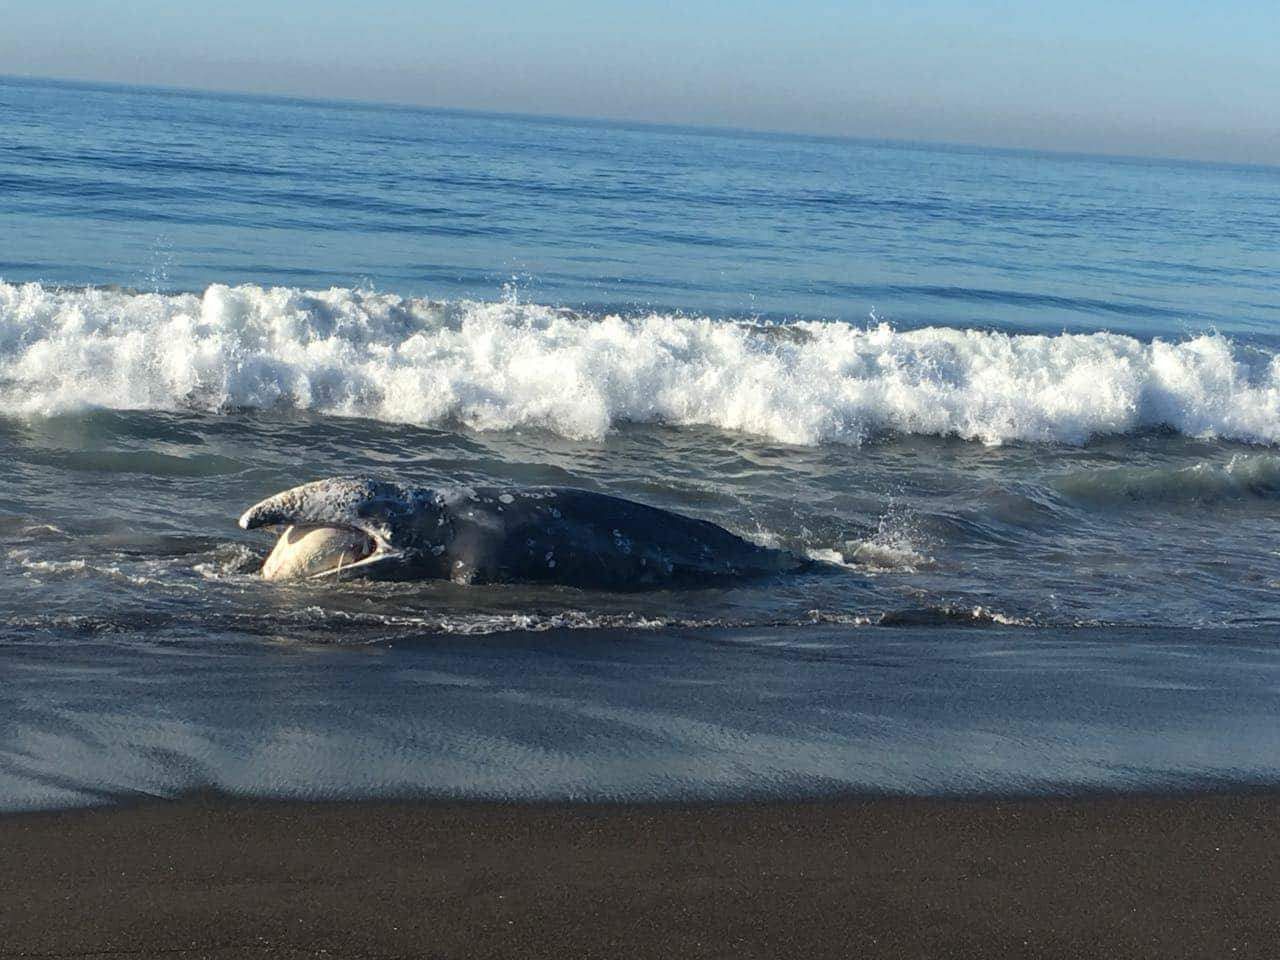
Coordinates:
<point>1172,78</point>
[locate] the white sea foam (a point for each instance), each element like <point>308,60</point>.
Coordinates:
<point>78,568</point>
<point>891,549</point>
<point>507,365</point>
<point>877,555</point>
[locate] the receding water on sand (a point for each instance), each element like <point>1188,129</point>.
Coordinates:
<point>651,715</point>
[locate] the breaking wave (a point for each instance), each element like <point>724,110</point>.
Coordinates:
<point>506,365</point>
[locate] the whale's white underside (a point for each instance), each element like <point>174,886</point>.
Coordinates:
<point>309,551</point>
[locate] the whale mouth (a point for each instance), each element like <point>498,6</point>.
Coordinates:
<point>329,528</point>
<point>325,529</point>
<point>310,551</point>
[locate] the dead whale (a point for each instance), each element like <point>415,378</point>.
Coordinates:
<point>377,529</point>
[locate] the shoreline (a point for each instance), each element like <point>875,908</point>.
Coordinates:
<point>1185,875</point>
<point>210,798</point>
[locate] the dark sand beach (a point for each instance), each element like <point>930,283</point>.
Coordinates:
<point>1195,876</point>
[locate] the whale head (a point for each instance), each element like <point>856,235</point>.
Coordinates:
<point>341,525</point>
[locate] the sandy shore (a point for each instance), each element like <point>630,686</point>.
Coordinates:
<point>1111,877</point>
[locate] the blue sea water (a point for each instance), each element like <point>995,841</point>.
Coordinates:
<point>1026,405</point>
<point>173,191</point>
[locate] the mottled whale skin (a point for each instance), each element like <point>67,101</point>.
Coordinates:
<point>548,535</point>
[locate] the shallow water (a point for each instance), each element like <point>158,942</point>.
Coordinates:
<point>126,520</point>
<point>649,715</point>
<point>1053,443</point>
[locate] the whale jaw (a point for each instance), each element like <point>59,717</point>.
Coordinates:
<point>327,528</point>
<point>315,551</point>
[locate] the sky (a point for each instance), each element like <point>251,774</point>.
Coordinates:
<point>1174,78</point>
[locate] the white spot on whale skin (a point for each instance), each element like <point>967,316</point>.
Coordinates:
<point>507,498</point>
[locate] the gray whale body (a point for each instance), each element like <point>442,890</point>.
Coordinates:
<point>490,534</point>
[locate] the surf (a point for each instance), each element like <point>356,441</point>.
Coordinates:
<point>507,366</point>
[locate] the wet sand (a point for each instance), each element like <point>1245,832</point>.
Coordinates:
<point>209,877</point>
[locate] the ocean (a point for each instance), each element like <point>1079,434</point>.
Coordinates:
<point>1024,408</point>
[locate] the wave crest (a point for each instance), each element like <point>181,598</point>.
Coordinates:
<point>506,365</point>
<point>1243,477</point>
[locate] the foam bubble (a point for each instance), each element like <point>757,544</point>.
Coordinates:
<point>507,365</point>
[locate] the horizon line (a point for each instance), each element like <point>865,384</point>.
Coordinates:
<point>705,129</point>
